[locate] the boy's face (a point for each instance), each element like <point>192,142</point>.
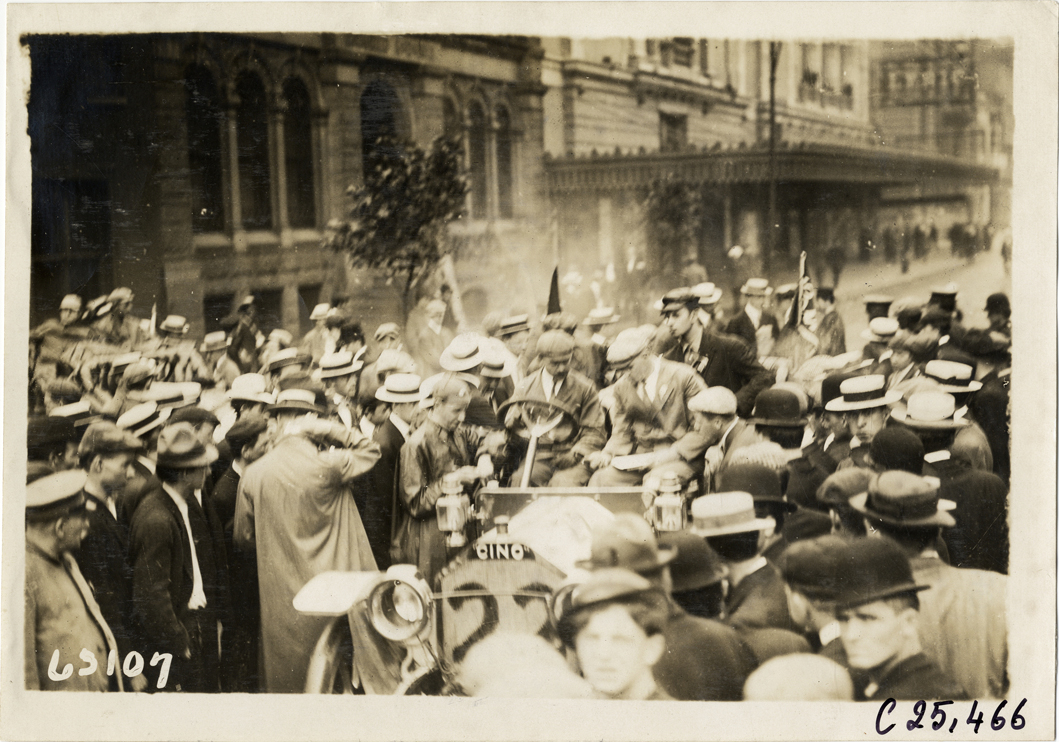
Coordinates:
<point>614,651</point>
<point>678,321</point>
<point>874,633</point>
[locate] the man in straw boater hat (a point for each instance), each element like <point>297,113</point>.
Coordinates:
<point>214,351</point>
<point>295,505</point>
<point>650,416</point>
<point>877,607</point>
<point>441,448</point>
<point>598,324</point>
<point>144,421</point>
<point>962,618</point>
<point>754,318</point>
<point>340,374</point>
<point>720,359</point>
<point>704,659</point>
<point>866,403</point>
<point>980,536</point>
<point>561,464</point>
<point>315,341</point>
<point>180,579</point>
<point>62,617</point>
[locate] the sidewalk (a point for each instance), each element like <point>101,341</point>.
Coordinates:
<point>861,279</point>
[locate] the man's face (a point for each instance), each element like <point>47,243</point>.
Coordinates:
<point>114,471</point>
<point>997,320</point>
<point>345,385</point>
<point>72,530</point>
<point>641,368</point>
<point>516,342</point>
<point>835,422</point>
<point>711,426</point>
<point>678,321</point>
<point>196,478</point>
<point>406,411</point>
<point>900,358</point>
<point>874,633</point>
<point>614,651</point>
<point>866,423</point>
<point>558,366</point>
<point>452,411</point>
<point>66,316</point>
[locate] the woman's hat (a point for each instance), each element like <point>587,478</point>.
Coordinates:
<point>399,389</point>
<point>726,513</point>
<point>863,393</point>
<point>881,330</point>
<point>876,568</point>
<point>297,400</point>
<point>929,411</point>
<point>904,499</point>
<point>179,447</point>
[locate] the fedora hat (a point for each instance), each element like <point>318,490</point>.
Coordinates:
<point>334,365</point>
<point>104,437</point>
<point>629,543</point>
<point>756,287</point>
<point>778,408</point>
<point>601,316</point>
<point>695,565</point>
<point>904,499</point>
<point>726,513</point>
<point>399,389</point>
<point>952,377</point>
<point>863,393</point>
<point>874,569</point>
<point>297,400</point>
<point>287,357</point>
<point>462,354</point>
<point>174,324</point>
<point>881,330</point>
<point>250,388</point>
<point>930,410</point>
<point>144,418</point>
<point>179,447</point>
<point>762,482</point>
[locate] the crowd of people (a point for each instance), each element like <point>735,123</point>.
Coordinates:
<point>847,511</point>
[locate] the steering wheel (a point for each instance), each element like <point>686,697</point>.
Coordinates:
<point>549,422</point>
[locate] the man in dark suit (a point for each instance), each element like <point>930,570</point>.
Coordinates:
<point>561,464</point>
<point>399,393</point>
<point>179,576</point>
<point>106,453</point>
<point>720,359</point>
<point>651,416</point>
<point>754,321</point>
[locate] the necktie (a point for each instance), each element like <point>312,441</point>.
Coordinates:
<point>198,595</point>
<point>93,607</point>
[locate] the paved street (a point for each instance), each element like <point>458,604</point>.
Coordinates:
<point>976,280</point>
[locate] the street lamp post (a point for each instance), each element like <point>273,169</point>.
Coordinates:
<point>770,230</point>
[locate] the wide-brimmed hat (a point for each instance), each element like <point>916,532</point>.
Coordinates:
<point>875,569</point>
<point>904,499</point>
<point>779,408</point>
<point>755,287</point>
<point>334,365</point>
<point>601,316</point>
<point>952,377</point>
<point>399,389</point>
<point>319,312</point>
<point>931,410</point>
<point>762,482</point>
<point>842,485</point>
<point>180,447</point>
<point>298,400</point>
<point>514,324</point>
<point>629,543</point>
<point>55,496</point>
<point>707,293</point>
<point>215,341</point>
<point>881,330</point>
<point>726,513</point>
<point>607,584</point>
<point>287,357</point>
<point>696,565</point>
<point>79,413</point>
<point>863,393</point>
<point>245,431</point>
<point>143,418</point>
<point>462,353</point>
<point>250,388</point>
<point>174,324</point>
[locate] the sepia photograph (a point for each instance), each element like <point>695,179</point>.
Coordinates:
<point>485,368</point>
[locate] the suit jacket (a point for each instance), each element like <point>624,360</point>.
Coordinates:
<point>379,516</point>
<point>578,394</point>
<point>743,327</point>
<point>980,537</point>
<point>759,601</point>
<point>642,426</point>
<point>917,678</point>
<point>725,360</point>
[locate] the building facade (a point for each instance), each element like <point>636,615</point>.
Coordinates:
<point>195,168</point>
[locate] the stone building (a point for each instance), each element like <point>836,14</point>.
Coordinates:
<point>621,114</point>
<point>194,168</point>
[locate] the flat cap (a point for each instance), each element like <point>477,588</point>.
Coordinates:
<point>715,400</point>
<point>55,495</point>
<point>514,324</point>
<point>245,431</point>
<point>555,343</point>
<point>104,438</point>
<point>629,344</point>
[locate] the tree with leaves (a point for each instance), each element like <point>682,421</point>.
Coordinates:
<point>397,221</point>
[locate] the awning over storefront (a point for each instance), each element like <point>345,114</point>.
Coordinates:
<point>750,164</point>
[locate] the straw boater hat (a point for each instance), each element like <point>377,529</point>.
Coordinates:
<point>143,418</point>
<point>863,393</point>
<point>319,312</point>
<point>174,324</point>
<point>334,365</point>
<point>881,330</point>
<point>399,389</point>
<point>952,377</point>
<point>707,294</point>
<point>929,411</point>
<point>287,357</point>
<point>56,496</point>
<point>79,413</point>
<point>297,400</point>
<point>215,341</point>
<point>756,287</point>
<point>250,388</point>
<point>901,498</point>
<point>462,354</point>
<point>726,513</point>
<point>601,316</point>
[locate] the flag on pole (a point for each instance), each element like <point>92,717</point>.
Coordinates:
<point>553,294</point>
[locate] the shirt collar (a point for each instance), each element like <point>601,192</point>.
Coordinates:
<point>402,427</point>
<point>753,313</point>
<point>148,464</point>
<point>237,467</point>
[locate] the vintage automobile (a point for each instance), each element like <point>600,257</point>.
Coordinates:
<point>392,633</point>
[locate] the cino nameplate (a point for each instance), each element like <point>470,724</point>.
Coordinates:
<point>500,552</point>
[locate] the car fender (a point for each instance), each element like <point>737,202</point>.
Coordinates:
<point>335,593</point>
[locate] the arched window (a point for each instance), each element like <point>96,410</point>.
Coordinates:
<point>504,174</point>
<point>298,146</point>
<point>379,111</point>
<point>476,146</point>
<point>204,116</point>
<point>252,133</point>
